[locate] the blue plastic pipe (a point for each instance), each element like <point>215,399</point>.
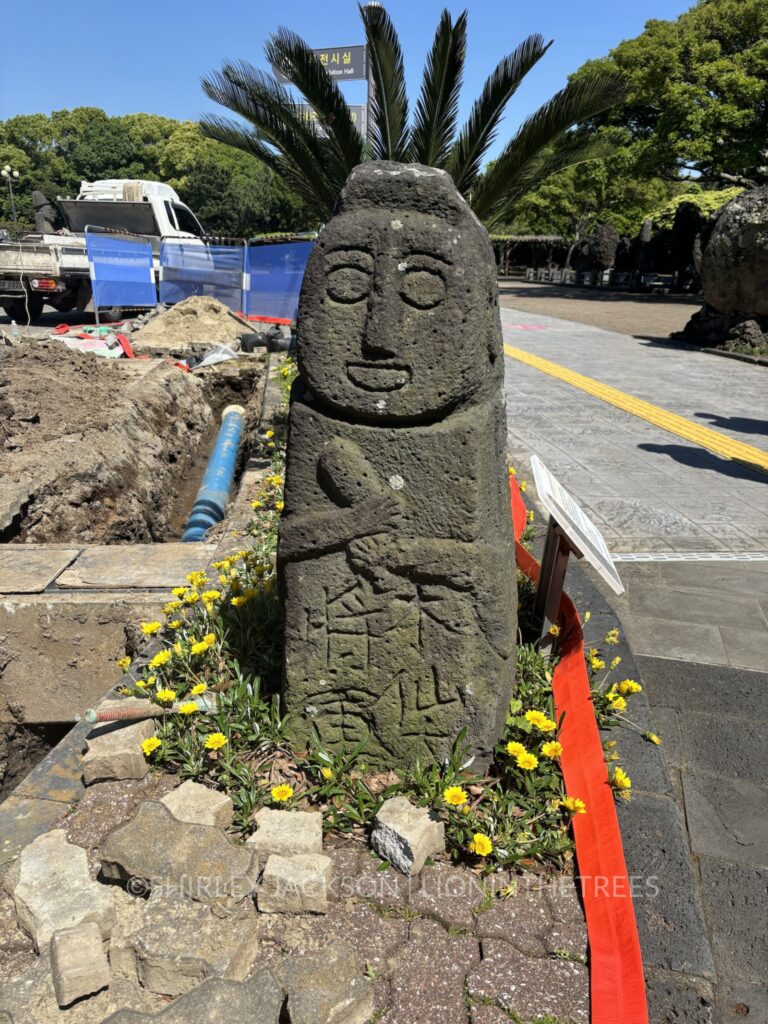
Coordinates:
<point>212,498</point>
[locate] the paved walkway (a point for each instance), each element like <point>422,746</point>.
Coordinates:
<point>694,527</point>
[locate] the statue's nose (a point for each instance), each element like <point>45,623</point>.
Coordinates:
<point>378,335</point>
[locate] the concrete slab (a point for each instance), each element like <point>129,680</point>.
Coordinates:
<point>707,689</point>
<point>746,648</point>
<point>135,566</point>
<point>28,569</point>
<point>730,746</point>
<point>705,607</point>
<point>651,636</point>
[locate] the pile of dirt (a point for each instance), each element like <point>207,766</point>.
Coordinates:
<point>93,450</point>
<point>196,319</point>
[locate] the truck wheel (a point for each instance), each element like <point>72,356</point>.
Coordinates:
<point>17,308</point>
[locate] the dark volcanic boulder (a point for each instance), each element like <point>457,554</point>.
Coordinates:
<point>734,268</point>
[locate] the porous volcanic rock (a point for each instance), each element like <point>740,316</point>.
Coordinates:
<point>734,270</point>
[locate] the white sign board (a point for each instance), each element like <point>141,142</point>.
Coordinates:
<point>574,522</point>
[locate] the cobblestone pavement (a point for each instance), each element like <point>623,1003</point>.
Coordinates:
<point>698,628</point>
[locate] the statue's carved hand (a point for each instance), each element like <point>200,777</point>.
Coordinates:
<point>381,513</point>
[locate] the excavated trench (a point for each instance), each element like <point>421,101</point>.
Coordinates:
<point>92,452</point>
<point>100,452</point>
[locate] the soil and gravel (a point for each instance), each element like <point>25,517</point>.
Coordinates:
<point>197,319</point>
<point>643,316</point>
<point>91,449</point>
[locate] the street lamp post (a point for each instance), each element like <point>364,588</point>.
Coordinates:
<point>10,176</point>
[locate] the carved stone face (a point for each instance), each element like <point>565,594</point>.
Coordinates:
<point>396,312</point>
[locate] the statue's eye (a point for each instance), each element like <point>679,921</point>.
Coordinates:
<point>348,284</point>
<point>422,288</point>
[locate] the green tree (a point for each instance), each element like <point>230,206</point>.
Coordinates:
<point>698,91</point>
<point>315,161</point>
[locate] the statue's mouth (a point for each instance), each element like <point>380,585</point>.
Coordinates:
<point>379,376</point>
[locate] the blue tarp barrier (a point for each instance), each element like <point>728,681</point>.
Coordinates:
<point>121,271</point>
<point>215,270</point>
<point>275,273</point>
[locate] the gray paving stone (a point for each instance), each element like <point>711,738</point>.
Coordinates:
<point>59,775</point>
<point>677,999</point>
<point>738,1000</point>
<point>448,895</point>
<point>117,567</point>
<point>28,569</point>
<point>746,648</point>
<point>694,643</point>
<point>703,607</point>
<point>524,919</point>
<point>668,730</point>
<point>669,918</point>
<point>199,804</point>
<point>327,987</point>
<point>78,962</point>
<point>727,819</point>
<point>735,897</point>
<point>729,746</point>
<point>705,688</point>
<point>286,833</point>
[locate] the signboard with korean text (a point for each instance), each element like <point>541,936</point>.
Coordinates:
<point>349,63</point>
<point>575,523</point>
<point>359,112</point>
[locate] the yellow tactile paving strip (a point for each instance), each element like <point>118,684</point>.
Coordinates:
<point>670,421</point>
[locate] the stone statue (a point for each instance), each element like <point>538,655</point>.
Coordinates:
<point>395,553</point>
<point>45,215</point>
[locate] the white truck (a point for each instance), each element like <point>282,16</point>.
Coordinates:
<point>52,267</point>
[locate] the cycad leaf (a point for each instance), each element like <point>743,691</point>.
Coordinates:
<point>479,132</point>
<point>438,104</point>
<point>388,113</point>
<point>577,102</point>
<point>291,55</point>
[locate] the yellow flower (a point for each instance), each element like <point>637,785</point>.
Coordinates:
<point>187,708</point>
<point>621,781</point>
<point>279,505</point>
<point>554,630</point>
<point>150,628</point>
<point>211,595</point>
<point>596,664</point>
<point>175,624</point>
<point>615,663</point>
<point>178,648</point>
<point>587,617</point>
<point>197,689</point>
<point>269,434</point>
<point>326,773</point>
<point>282,793</point>
<point>612,636</point>
<point>552,749</point>
<point>166,696</point>
<point>616,701</point>
<point>628,686</point>
<point>276,480</point>
<point>179,591</point>
<point>255,504</point>
<point>652,738</point>
<point>124,663</point>
<point>522,485</point>
<point>527,761</point>
<point>285,372</point>
<point>455,796</point>
<point>199,648</point>
<point>171,607</point>
<point>238,600</point>
<point>480,845</point>
<point>191,597</point>
<point>141,683</point>
<point>161,658</point>
<point>512,471</point>
<point>515,749</point>
<point>197,579</point>
<point>270,444</point>
<point>210,639</point>
<point>531,515</point>
<point>574,805</point>
<point>540,721</point>
<point>150,744</point>
<point>215,741</point>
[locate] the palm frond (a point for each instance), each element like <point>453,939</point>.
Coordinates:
<point>278,122</point>
<point>438,105</point>
<point>291,55</point>
<point>388,113</point>
<point>478,133</point>
<point>577,102</point>
<point>568,151</point>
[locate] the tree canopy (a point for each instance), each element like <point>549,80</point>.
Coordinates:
<point>232,192</point>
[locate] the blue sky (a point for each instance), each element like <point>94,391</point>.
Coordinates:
<point>149,57</point>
